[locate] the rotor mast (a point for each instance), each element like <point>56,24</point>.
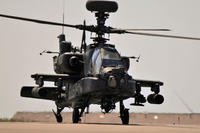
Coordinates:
<point>102,10</point>
<point>101,18</point>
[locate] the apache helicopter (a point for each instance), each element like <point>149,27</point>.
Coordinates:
<point>94,73</point>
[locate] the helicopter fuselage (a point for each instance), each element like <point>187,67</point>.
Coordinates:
<point>105,75</point>
<point>98,76</point>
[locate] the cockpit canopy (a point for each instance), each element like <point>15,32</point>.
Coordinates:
<point>104,57</point>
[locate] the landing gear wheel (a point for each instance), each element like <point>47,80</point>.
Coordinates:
<point>125,116</point>
<point>59,118</point>
<point>57,114</point>
<point>75,116</point>
<point>124,113</point>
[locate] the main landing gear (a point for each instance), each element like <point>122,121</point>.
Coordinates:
<point>78,112</point>
<point>124,113</point>
<point>76,116</point>
<point>57,114</point>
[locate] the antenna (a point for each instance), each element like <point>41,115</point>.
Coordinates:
<point>63,17</point>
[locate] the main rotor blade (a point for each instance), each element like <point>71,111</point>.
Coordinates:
<point>147,29</point>
<point>38,21</point>
<point>161,35</point>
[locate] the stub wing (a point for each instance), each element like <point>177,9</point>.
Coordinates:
<point>154,98</point>
<point>148,83</point>
<point>48,93</point>
<point>54,77</point>
<point>58,79</point>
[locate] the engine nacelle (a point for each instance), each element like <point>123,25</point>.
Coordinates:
<point>155,99</point>
<point>49,93</point>
<point>64,46</point>
<point>68,63</point>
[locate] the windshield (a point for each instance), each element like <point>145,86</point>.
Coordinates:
<point>111,58</point>
<point>111,54</point>
<point>96,61</point>
<point>102,58</point>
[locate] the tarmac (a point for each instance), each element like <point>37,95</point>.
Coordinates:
<point>35,127</point>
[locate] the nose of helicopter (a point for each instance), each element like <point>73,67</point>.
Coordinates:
<point>118,79</point>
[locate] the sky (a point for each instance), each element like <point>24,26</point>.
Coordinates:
<point>172,61</point>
